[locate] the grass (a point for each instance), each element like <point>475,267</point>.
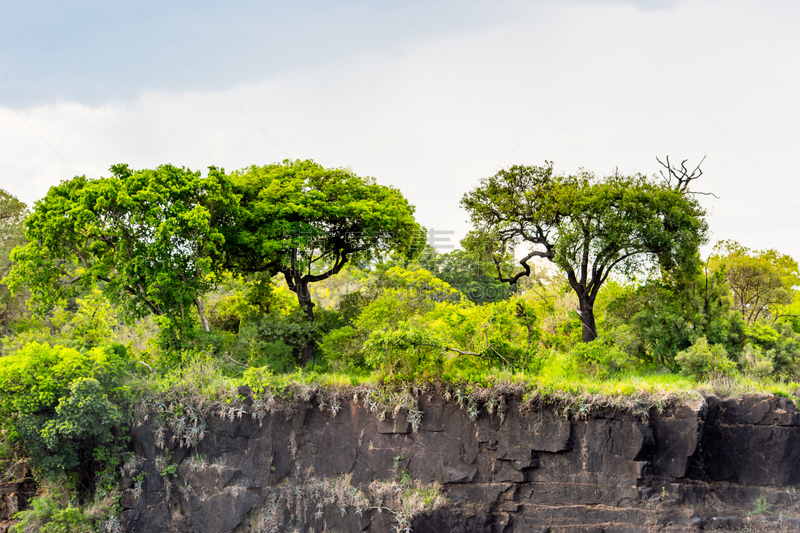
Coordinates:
<point>558,382</point>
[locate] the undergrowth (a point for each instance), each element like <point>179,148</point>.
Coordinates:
<point>203,388</point>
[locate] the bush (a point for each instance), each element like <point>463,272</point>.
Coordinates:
<point>276,355</point>
<point>670,314</point>
<point>600,357</point>
<point>754,362</point>
<point>278,340</point>
<point>780,343</point>
<point>55,512</point>
<point>408,352</point>
<point>60,403</point>
<point>85,414</point>
<point>350,306</point>
<point>702,361</point>
<point>342,349</point>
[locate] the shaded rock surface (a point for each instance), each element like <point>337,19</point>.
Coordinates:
<point>14,497</point>
<point>685,469</point>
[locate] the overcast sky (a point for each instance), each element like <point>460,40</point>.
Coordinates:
<point>428,96</point>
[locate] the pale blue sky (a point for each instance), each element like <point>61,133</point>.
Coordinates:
<point>428,96</point>
<point>83,51</point>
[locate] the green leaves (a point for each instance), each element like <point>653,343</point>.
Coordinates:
<point>301,206</point>
<point>84,413</point>
<point>409,351</point>
<point>304,221</point>
<point>56,398</point>
<point>703,361</point>
<point>12,215</point>
<point>156,240</point>
<point>150,238</point>
<point>585,225</point>
<point>33,378</point>
<point>762,282</point>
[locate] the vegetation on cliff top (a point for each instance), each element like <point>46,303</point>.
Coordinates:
<point>152,287</point>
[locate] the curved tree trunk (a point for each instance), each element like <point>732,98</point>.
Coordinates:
<point>586,297</point>
<point>304,299</point>
<point>201,311</point>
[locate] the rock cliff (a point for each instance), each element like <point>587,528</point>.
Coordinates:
<point>309,467</point>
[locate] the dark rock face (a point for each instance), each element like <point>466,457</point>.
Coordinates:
<point>14,497</point>
<point>684,469</point>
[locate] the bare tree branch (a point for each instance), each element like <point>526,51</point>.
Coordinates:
<point>152,372</point>
<point>234,361</point>
<point>682,176</point>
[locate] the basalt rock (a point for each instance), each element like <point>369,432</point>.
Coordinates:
<point>14,497</point>
<point>690,467</point>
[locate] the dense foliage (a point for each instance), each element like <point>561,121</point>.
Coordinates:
<point>150,239</point>
<point>62,404</point>
<point>588,227</point>
<point>153,284</point>
<point>304,222</point>
<point>12,216</point>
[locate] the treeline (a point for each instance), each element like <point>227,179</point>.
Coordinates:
<point>121,287</point>
<point>293,265</point>
<point>206,263</point>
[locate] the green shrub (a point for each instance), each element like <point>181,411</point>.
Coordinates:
<point>754,362</point>
<point>277,339</point>
<point>780,343</point>
<point>54,512</point>
<point>61,403</point>
<point>408,352</point>
<point>342,349</point>
<point>85,414</point>
<point>350,306</point>
<point>276,355</point>
<point>601,357</point>
<point>702,361</point>
<point>669,315</point>
<point>257,378</point>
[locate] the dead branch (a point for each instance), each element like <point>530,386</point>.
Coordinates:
<point>681,175</point>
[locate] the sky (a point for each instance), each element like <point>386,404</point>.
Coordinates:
<point>428,96</point>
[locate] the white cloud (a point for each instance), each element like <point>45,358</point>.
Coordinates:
<point>582,84</point>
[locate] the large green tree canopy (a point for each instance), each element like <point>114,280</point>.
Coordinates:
<point>588,226</point>
<point>150,237</point>
<point>156,241</point>
<point>305,222</point>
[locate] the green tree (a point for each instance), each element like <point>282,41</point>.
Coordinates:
<point>306,222</point>
<point>670,314</point>
<point>61,404</point>
<point>762,282</point>
<point>472,275</point>
<point>587,226</point>
<point>151,238</point>
<point>12,234</point>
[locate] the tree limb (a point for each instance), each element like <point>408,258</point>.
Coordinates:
<point>152,372</point>
<point>234,361</point>
<point>682,176</point>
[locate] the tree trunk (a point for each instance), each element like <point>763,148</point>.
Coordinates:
<point>588,326</point>
<point>304,299</point>
<point>307,354</point>
<point>202,314</point>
